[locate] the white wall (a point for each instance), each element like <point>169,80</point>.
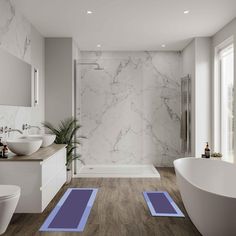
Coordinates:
<point>59,79</point>
<point>202,95</point>
<point>225,33</point>
<point>197,63</point>
<point>20,38</point>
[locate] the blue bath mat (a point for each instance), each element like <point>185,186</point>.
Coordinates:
<point>161,204</point>
<point>72,211</point>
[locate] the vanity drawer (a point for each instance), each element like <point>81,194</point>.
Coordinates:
<point>50,190</point>
<point>52,166</point>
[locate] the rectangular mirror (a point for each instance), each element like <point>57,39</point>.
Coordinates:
<point>15,81</point>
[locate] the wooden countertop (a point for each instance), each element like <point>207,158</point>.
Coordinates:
<point>41,155</point>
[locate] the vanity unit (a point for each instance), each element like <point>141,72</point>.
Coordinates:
<point>40,176</point>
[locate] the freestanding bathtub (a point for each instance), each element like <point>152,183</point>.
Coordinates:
<point>208,191</point>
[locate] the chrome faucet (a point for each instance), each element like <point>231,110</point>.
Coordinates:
<point>26,126</point>
<point>9,130</point>
<point>6,130</point>
<point>3,129</point>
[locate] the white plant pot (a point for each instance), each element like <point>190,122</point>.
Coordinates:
<point>69,176</point>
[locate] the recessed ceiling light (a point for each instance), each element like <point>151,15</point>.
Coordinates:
<point>99,45</point>
<point>186,11</point>
<point>89,12</point>
<point>163,45</point>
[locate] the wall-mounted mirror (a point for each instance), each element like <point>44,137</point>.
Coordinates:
<point>15,81</point>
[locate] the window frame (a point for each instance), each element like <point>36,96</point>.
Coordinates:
<point>217,94</point>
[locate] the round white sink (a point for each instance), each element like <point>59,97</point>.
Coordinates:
<point>25,146</point>
<point>47,139</point>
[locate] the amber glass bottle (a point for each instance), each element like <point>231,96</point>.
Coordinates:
<point>207,151</point>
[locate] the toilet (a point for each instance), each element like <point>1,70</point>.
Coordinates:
<point>9,197</point>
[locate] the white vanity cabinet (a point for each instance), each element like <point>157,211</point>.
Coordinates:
<point>40,176</point>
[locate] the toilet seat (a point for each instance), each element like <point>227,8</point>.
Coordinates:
<point>9,191</point>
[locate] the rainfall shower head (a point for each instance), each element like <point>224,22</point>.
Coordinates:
<point>98,67</point>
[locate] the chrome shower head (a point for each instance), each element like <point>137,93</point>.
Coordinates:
<point>91,63</point>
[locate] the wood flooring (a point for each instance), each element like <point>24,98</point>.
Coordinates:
<point>119,210</point>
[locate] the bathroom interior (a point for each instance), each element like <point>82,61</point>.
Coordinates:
<point>117,117</point>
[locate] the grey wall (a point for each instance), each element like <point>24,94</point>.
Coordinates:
<point>226,32</point>
<point>59,79</point>
<point>38,61</point>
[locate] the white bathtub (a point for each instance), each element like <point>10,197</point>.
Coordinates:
<point>208,191</point>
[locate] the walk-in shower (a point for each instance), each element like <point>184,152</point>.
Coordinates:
<point>115,171</point>
<point>107,106</point>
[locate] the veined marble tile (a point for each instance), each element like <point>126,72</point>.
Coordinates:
<point>15,33</point>
<point>130,111</point>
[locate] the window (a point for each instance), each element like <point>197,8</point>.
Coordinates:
<point>226,77</point>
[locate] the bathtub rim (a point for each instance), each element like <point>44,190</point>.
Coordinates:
<point>197,186</point>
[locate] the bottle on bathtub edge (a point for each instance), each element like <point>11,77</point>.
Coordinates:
<point>207,151</point>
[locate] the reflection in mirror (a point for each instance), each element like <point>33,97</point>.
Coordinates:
<point>15,81</point>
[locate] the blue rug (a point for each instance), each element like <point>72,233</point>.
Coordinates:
<point>72,211</point>
<point>161,204</point>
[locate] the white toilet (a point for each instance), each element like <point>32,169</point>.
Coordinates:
<point>9,197</point>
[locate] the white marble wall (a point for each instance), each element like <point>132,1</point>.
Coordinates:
<point>130,111</point>
<point>15,37</point>
<point>14,31</point>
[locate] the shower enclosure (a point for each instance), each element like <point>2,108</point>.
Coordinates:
<point>129,112</point>
<point>97,170</point>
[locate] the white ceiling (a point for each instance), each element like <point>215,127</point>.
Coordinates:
<point>128,24</point>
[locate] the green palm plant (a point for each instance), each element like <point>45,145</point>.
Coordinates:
<point>66,134</point>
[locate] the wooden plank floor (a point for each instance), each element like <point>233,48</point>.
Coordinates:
<point>119,210</point>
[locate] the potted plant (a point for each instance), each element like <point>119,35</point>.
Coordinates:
<point>66,134</point>
<point>216,155</point>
